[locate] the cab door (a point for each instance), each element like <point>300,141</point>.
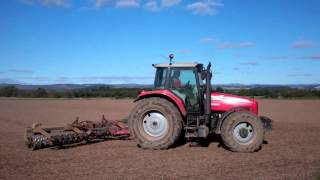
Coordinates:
<point>183,82</point>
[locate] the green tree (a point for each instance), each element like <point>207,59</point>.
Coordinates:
<point>40,93</point>
<point>219,89</point>
<point>9,91</point>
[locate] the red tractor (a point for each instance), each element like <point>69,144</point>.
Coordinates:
<point>182,103</point>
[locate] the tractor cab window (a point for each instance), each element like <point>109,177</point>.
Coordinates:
<point>183,83</point>
<point>160,79</point>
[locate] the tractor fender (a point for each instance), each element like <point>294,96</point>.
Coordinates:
<point>166,94</point>
<point>228,113</point>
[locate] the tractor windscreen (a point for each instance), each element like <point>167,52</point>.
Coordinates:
<point>160,79</point>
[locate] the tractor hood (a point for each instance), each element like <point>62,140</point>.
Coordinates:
<point>222,102</point>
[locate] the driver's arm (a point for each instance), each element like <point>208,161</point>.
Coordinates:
<point>177,83</point>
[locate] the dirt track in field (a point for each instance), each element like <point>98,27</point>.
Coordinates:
<point>292,152</point>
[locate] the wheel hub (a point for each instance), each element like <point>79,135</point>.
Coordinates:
<point>155,124</point>
<point>243,132</point>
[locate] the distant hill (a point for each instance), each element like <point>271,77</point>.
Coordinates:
<point>132,90</point>
<point>242,86</point>
<point>64,87</point>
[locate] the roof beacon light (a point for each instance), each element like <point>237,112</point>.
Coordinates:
<point>171,56</point>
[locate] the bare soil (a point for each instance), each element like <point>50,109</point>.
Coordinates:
<point>292,150</point>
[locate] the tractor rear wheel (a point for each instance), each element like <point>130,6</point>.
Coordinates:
<point>155,123</point>
<point>242,132</point>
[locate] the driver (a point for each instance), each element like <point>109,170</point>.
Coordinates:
<point>176,80</point>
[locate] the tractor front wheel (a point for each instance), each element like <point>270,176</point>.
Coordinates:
<point>155,123</point>
<point>242,132</point>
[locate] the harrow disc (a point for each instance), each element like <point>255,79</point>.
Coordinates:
<point>38,137</point>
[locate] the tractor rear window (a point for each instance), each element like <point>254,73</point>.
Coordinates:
<point>160,78</point>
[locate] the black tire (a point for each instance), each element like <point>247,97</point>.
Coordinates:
<point>229,139</point>
<point>168,110</point>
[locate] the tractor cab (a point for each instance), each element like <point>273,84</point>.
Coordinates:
<point>183,80</point>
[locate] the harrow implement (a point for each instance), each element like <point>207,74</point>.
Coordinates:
<point>39,137</point>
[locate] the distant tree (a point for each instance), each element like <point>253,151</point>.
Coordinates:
<point>56,95</point>
<point>107,91</point>
<point>219,89</point>
<point>9,91</point>
<point>25,93</point>
<point>40,93</point>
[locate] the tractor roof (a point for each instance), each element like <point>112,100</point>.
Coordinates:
<point>178,64</point>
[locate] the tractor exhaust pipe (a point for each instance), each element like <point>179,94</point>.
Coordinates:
<point>207,112</point>
<point>203,129</point>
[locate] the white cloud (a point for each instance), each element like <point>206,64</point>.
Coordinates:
<point>114,79</point>
<point>57,3</point>
<point>152,6</point>
<point>202,7</point>
<point>208,40</point>
<point>54,2</point>
<point>29,2</point>
<point>277,57</point>
<point>101,3</point>
<point>312,57</point>
<point>228,45</point>
<point>9,81</point>
<point>302,44</point>
<point>250,63</point>
<point>28,71</point>
<point>127,3</point>
<point>298,74</point>
<point>184,51</point>
<point>207,7</point>
<point>169,3</point>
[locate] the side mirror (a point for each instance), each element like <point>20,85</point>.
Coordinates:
<point>209,66</point>
<point>205,71</point>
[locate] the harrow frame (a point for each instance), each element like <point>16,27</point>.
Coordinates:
<point>39,137</point>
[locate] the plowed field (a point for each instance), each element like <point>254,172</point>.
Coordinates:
<point>292,150</point>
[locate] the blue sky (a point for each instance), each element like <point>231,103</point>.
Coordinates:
<point>116,41</point>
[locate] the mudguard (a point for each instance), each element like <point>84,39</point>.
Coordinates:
<point>165,94</point>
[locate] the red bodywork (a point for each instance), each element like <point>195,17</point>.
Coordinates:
<point>220,102</point>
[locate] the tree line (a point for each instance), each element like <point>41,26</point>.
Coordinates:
<point>92,92</point>
<point>275,92</point>
<point>107,91</point>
